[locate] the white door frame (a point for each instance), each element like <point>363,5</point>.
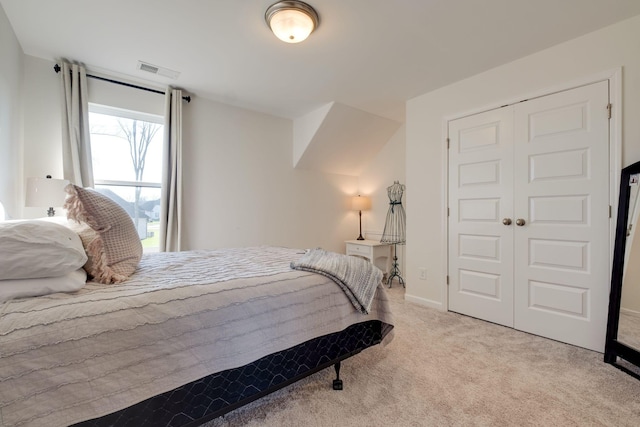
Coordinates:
<point>614,76</point>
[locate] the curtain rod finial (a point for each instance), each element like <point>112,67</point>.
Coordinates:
<point>56,68</point>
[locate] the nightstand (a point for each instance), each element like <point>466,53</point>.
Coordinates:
<point>379,254</point>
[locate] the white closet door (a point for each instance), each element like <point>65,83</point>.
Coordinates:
<point>480,196</point>
<point>562,193</point>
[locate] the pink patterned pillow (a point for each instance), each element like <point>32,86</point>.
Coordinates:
<point>114,248</point>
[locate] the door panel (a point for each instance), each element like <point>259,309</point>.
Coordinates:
<point>570,164</point>
<point>560,119</point>
<point>481,195</point>
<point>478,210</point>
<point>562,193</point>
<point>479,284</point>
<point>559,210</point>
<point>559,255</point>
<point>479,173</point>
<point>479,247</point>
<point>559,300</point>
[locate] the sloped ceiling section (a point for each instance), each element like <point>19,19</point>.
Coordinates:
<point>339,139</point>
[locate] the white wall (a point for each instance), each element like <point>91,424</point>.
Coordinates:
<point>128,98</point>
<point>611,47</point>
<point>42,121</point>
<point>11,139</point>
<point>388,166</point>
<point>240,186</point>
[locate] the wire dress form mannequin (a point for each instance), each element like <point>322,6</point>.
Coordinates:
<point>395,227</point>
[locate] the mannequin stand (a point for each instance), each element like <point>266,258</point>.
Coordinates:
<point>395,270</point>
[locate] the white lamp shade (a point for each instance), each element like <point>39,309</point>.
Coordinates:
<point>360,203</point>
<point>291,20</point>
<point>291,25</point>
<point>45,192</point>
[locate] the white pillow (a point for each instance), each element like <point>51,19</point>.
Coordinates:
<point>20,288</point>
<point>34,249</point>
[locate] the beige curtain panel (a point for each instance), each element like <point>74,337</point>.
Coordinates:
<point>76,146</point>
<point>171,200</point>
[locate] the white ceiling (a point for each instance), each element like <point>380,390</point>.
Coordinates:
<point>368,54</point>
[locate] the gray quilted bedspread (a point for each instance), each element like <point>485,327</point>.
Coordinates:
<point>65,358</point>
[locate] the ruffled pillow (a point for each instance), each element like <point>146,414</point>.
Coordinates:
<point>112,243</point>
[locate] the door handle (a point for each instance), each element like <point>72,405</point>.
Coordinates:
<point>506,221</point>
<point>520,222</point>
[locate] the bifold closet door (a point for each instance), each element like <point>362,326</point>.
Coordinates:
<point>480,199</point>
<point>529,223</point>
<point>562,195</point>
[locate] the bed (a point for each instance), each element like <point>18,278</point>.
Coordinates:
<point>187,337</point>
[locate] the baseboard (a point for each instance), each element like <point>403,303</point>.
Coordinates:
<point>424,302</point>
<point>629,312</point>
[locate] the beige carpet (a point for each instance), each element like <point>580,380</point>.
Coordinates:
<point>629,328</point>
<point>444,369</point>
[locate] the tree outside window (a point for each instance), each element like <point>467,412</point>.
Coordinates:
<point>126,149</point>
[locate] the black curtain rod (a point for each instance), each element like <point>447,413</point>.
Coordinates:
<point>57,69</point>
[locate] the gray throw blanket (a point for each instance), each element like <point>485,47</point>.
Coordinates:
<point>357,277</point>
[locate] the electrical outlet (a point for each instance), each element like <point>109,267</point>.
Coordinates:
<point>422,273</point>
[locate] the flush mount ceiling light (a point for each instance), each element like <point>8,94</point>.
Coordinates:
<point>291,21</point>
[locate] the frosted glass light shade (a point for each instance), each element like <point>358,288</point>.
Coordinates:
<point>45,192</point>
<point>360,203</point>
<point>291,21</point>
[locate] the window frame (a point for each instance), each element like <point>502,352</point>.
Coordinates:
<point>130,115</point>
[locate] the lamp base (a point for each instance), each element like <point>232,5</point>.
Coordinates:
<point>360,236</point>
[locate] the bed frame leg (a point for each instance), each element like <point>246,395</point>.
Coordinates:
<point>337,383</point>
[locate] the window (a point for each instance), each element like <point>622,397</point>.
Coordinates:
<point>126,151</point>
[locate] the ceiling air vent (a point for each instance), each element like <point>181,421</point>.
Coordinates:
<point>161,71</point>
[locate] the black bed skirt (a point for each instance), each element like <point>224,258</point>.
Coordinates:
<point>216,394</point>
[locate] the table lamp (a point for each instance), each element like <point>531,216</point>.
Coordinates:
<point>46,192</point>
<point>360,203</point>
